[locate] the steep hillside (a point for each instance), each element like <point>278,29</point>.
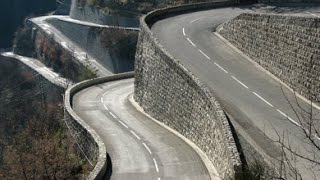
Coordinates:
<point>34,140</point>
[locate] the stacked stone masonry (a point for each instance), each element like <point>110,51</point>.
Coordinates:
<point>286,46</point>
<point>117,55</point>
<point>171,94</point>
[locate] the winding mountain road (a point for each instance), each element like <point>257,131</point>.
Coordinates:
<point>138,147</point>
<point>255,101</point>
<point>142,149</point>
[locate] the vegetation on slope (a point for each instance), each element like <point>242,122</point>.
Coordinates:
<point>34,141</point>
<point>51,54</point>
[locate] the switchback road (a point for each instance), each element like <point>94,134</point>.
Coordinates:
<point>248,94</point>
<point>139,148</point>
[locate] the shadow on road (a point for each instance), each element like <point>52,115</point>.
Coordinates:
<point>108,174</point>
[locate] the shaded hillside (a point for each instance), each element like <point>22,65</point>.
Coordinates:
<point>34,140</point>
<point>13,12</point>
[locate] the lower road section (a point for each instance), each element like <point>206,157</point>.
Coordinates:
<point>138,147</point>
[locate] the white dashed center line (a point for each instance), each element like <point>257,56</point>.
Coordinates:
<point>293,121</point>
<point>240,82</point>
<point>204,54</point>
<point>221,68</point>
<point>123,124</point>
<point>147,148</point>
<point>183,32</point>
<point>155,164</point>
<point>112,115</point>
<point>191,42</point>
<point>262,99</point>
<point>194,20</point>
<point>106,107</point>
<point>135,135</point>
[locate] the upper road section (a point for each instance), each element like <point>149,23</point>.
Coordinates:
<point>66,43</point>
<point>256,101</point>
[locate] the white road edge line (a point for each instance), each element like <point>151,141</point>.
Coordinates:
<point>135,135</point>
<point>262,98</point>
<point>240,82</point>
<point>191,42</point>
<point>221,68</point>
<point>204,54</point>
<point>183,31</point>
<point>112,114</point>
<point>147,148</point>
<point>283,114</point>
<point>123,124</point>
<point>155,164</point>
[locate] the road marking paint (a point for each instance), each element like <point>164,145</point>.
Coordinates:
<point>221,68</point>
<point>240,82</point>
<point>123,124</point>
<point>159,178</point>
<point>204,54</point>
<point>194,20</point>
<point>262,99</point>
<point>191,42</point>
<point>112,114</point>
<point>183,31</point>
<point>105,107</point>
<point>101,99</point>
<point>283,114</point>
<point>135,135</point>
<point>155,164</point>
<point>147,148</point>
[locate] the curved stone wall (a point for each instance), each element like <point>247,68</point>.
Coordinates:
<point>88,140</point>
<point>170,93</point>
<point>286,46</point>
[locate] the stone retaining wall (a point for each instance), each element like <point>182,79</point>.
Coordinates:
<point>112,47</point>
<point>95,15</point>
<point>88,140</point>
<point>173,95</point>
<point>286,46</point>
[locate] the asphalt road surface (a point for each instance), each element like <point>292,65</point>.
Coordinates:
<point>139,148</point>
<point>248,94</point>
